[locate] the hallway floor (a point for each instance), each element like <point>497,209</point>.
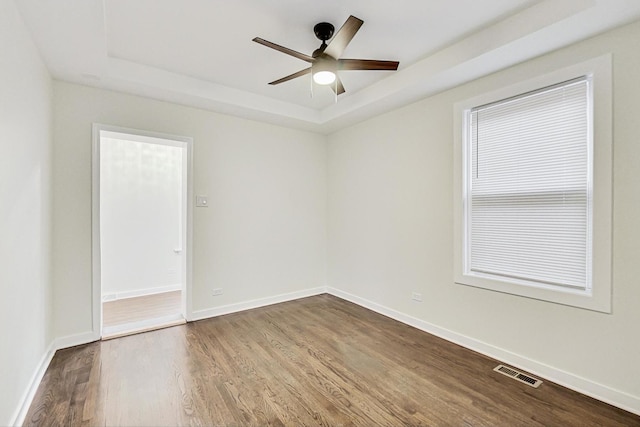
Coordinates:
<point>139,314</point>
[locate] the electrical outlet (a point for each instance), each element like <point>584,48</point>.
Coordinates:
<point>217,291</point>
<point>416,296</point>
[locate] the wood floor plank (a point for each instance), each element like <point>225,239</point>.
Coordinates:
<point>129,310</point>
<point>314,361</point>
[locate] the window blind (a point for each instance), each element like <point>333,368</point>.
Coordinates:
<point>529,194</point>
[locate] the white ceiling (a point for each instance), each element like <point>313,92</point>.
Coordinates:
<point>200,53</point>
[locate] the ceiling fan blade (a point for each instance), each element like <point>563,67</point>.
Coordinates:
<point>367,64</point>
<point>342,38</point>
<point>283,49</point>
<point>291,76</point>
<point>340,87</point>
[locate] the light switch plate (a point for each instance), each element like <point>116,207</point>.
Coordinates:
<point>202,202</point>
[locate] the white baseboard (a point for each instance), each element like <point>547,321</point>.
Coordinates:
<point>34,383</point>
<point>132,328</point>
<point>87,337</point>
<point>41,369</point>
<point>598,391</point>
<point>76,339</point>
<point>140,292</point>
<point>247,305</point>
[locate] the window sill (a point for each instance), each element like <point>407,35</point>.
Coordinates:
<point>580,298</point>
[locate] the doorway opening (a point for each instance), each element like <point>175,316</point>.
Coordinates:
<point>141,230</point>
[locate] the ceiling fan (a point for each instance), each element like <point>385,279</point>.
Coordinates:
<point>325,61</point>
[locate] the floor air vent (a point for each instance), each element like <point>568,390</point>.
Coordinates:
<point>510,372</point>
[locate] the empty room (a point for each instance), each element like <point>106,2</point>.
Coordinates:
<point>248,213</point>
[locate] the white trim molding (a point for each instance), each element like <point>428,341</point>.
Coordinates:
<point>141,292</point>
<point>597,297</point>
<point>186,143</point>
<point>76,339</point>
<point>589,388</point>
<point>57,344</point>
<point>27,397</point>
<point>256,303</point>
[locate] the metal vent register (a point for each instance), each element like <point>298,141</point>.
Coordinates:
<point>517,375</point>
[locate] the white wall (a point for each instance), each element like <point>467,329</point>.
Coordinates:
<point>25,211</point>
<point>390,231</point>
<point>140,217</point>
<point>263,234</point>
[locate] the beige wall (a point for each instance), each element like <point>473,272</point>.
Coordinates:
<point>25,212</point>
<point>390,231</point>
<point>263,233</point>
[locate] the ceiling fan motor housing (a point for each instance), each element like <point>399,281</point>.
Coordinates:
<point>324,31</point>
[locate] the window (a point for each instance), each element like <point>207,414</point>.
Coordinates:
<point>529,187</point>
<point>533,208</point>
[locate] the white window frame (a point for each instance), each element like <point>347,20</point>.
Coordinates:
<point>598,296</point>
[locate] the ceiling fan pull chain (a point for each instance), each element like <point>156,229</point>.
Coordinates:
<point>336,91</point>
<point>311,80</point>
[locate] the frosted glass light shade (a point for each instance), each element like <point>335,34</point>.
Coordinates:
<point>324,77</point>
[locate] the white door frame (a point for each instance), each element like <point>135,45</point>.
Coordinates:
<point>143,136</point>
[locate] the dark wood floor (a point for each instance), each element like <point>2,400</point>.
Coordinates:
<point>314,361</point>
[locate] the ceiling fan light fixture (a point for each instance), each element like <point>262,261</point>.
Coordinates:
<point>324,77</point>
<point>324,71</point>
